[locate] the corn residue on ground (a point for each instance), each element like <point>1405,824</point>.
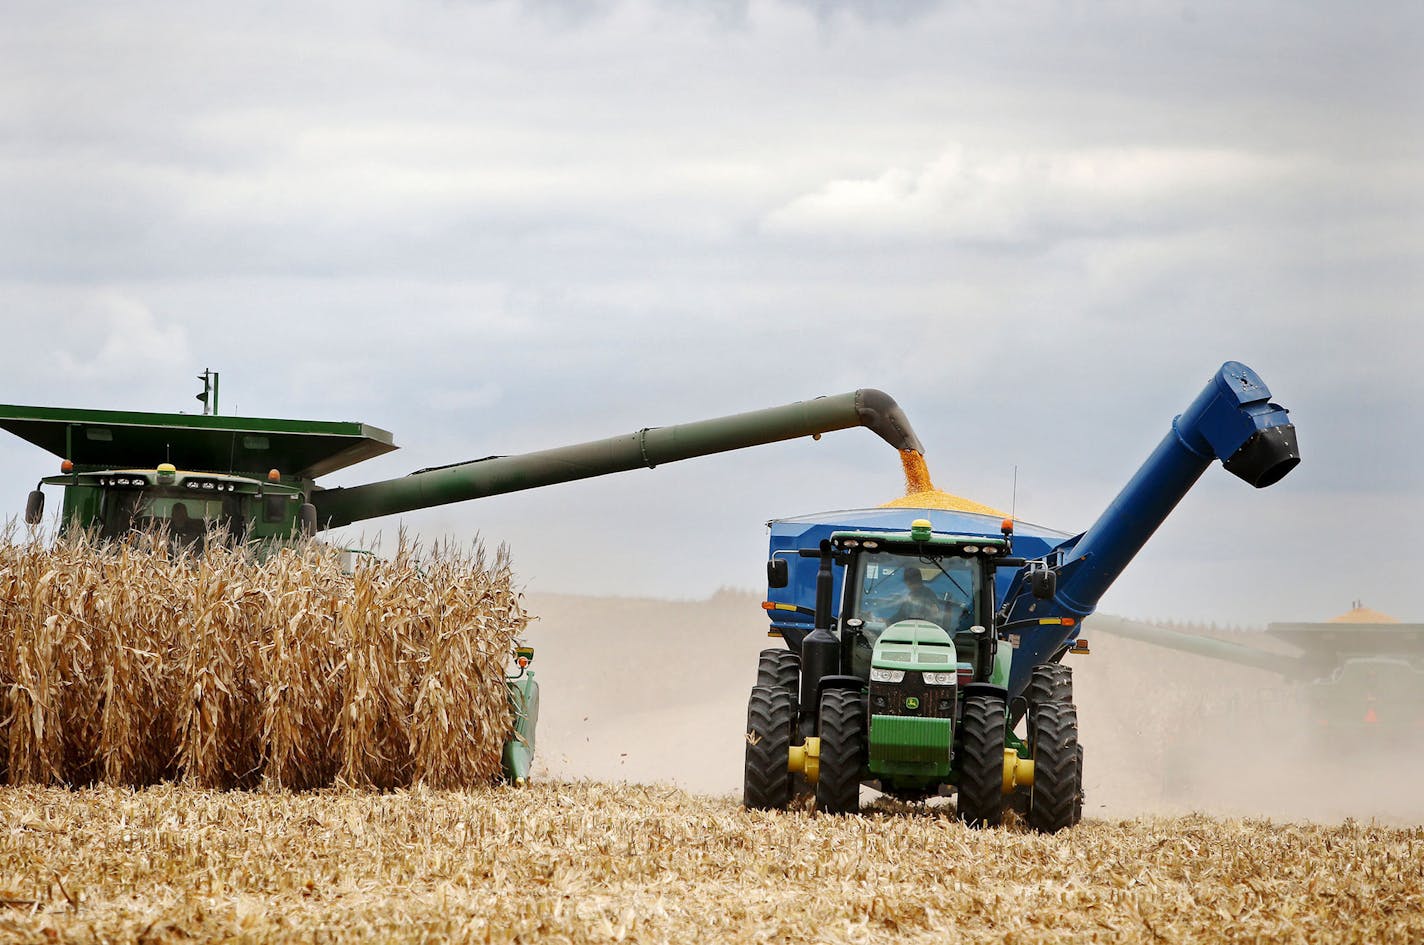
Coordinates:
<point>127,665</point>
<point>583,862</point>
<point>920,491</point>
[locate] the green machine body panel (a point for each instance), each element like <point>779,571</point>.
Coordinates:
<point>916,645</point>
<point>906,747</point>
<point>302,450</point>
<point>1003,661</point>
<point>519,746</point>
<point>912,747</point>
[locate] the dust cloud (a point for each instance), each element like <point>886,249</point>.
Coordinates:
<point>654,691</point>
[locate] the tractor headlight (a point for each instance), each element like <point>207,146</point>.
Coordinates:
<point>887,675</point>
<point>940,679</point>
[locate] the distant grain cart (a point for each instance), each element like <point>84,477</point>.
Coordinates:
<point>1360,674</point>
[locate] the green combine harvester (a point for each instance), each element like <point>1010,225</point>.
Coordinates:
<point>254,480</point>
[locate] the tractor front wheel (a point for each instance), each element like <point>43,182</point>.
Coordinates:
<point>766,783</point>
<point>1055,801</point>
<point>843,752</point>
<point>979,756</point>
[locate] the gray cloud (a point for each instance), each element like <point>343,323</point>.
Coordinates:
<point>493,227</point>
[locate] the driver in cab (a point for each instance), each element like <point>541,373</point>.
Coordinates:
<point>917,602</point>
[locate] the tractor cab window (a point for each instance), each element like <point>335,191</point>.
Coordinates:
<point>887,588</point>
<point>187,516</point>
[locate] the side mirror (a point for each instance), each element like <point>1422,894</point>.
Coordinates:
<point>777,573</point>
<point>1043,584</point>
<point>307,517</point>
<point>34,508</point>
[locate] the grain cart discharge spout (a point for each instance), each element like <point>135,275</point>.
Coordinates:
<point>649,447</point>
<point>1232,419</point>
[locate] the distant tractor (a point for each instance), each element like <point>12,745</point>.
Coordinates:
<point>917,640</point>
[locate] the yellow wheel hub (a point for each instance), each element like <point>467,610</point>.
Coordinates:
<point>806,759</point>
<point>1018,772</point>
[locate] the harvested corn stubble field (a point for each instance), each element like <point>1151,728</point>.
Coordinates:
<point>124,664</point>
<point>579,861</point>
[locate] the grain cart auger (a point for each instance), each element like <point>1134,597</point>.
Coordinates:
<point>256,478</point>
<point>917,640</point>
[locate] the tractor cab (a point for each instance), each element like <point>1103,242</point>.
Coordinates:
<point>931,596</point>
<point>904,688</point>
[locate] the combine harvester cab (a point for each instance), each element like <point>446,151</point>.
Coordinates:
<point>917,639</point>
<point>254,480</point>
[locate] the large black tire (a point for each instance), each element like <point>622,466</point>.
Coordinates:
<point>1078,805</point>
<point>1054,803</point>
<point>766,783</point>
<point>979,756</point>
<point>780,669</point>
<point>1050,682</point>
<point>843,752</point>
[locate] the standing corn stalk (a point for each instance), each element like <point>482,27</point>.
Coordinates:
<point>133,663</point>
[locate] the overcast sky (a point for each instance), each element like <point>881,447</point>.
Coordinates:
<point>494,227</point>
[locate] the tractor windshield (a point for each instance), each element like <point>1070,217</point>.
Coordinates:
<point>187,516</point>
<point>887,587</point>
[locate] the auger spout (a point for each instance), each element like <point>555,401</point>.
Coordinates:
<point>649,447</point>
<point>1232,419</point>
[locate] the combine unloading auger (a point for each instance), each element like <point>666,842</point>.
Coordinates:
<point>646,448</point>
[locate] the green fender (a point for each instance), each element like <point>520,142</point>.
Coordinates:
<point>1003,658</point>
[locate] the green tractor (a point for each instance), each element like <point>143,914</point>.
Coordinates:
<point>910,696</point>
<point>936,632</point>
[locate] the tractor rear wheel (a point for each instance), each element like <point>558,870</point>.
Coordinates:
<point>1050,682</point>
<point>1078,804</point>
<point>1054,799</point>
<point>843,752</point>
<point>779,668</point>
<point>979,756</point>
<point>766,783</point>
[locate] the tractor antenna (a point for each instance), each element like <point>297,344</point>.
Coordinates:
<point>1014,496</point>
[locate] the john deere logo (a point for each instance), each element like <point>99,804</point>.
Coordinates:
<point>912,703</point>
